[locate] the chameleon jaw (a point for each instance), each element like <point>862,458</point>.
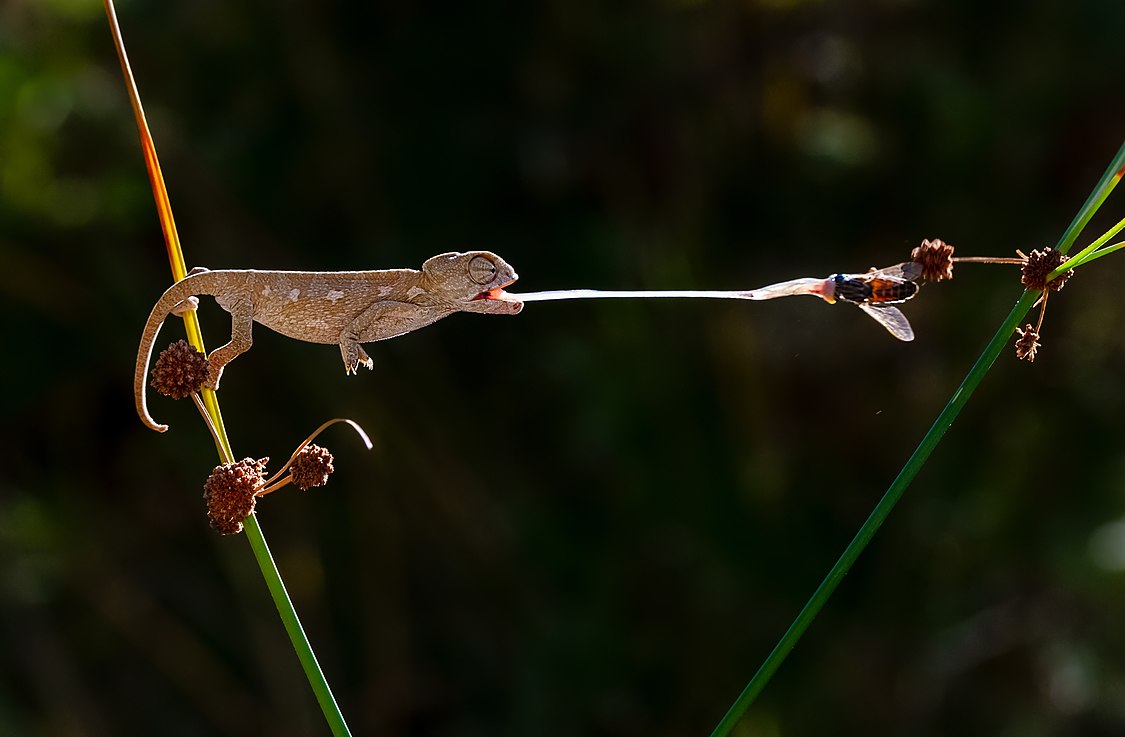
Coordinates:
<point>497,301</point>
<point>497,294</point>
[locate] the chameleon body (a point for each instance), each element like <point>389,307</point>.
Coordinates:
<point>345,308</point>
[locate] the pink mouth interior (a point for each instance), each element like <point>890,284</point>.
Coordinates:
<point>496,293</point>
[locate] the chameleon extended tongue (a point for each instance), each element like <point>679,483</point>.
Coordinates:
<point>500,294</point>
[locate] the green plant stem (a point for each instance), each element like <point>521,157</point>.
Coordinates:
<point>1102,252</point>
<point>1088,253</point>
<point>1105,185</point>
<point>301,646</point>
<point>929,441</point>
<point>878,515</point>
<point>195,336</point>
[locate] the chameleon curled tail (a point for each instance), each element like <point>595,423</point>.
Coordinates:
<point>198,282</point>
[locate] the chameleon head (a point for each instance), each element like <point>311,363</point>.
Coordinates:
<point>471,280</point>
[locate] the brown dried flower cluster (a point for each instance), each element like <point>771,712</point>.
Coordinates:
<point>230,493</point>
<point>936,259</point>
<point>180,371</point>
<point>1039,265</point>
<point>232,490</point>
<point>1027,344</point>
<point>1036,270</point>
<point>311,467</point>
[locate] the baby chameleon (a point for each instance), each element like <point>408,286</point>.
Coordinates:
<point>342,307</point>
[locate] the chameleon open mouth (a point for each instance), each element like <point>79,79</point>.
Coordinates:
<point>498,294</point>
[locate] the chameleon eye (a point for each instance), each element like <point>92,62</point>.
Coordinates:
<point>481,270</point>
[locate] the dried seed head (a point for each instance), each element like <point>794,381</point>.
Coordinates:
<point>311,467</point>
<point>229,492</point>
<point>180,370</point>
<point>1039,266</point>
<point>1027,344</point>
<point>936,259</point>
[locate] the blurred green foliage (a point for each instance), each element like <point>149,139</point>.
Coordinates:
<point>593,518</point>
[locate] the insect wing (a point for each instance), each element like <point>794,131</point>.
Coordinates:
<point>907,270</point>
<point>891,318</point>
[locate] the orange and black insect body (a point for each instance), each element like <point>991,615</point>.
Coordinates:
<point>876,291</point>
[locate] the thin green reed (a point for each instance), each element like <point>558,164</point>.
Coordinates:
<point>914,464</point>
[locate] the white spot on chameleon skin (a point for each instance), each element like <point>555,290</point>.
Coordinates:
<point>266,290</point>
<point>414,292</point>
<point>334,295</point>
<point>383,291</point>
<point>294,294</point>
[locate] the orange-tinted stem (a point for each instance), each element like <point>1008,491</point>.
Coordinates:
<point>152,163</point>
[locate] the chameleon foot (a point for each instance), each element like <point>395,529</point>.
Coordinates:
<point>188,305</point>
<point>364,360</point>
<point>216,373</point>
<point>354,357</point>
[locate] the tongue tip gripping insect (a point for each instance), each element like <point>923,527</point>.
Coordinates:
<point>876,293</point>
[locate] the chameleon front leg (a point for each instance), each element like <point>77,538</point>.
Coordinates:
<point>241,338</point>
<point>382,320</point>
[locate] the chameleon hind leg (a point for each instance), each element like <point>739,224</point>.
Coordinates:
<point>191,304</point>
<point>241,338</point>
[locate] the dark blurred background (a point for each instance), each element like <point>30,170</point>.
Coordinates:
<point>593,518</point>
